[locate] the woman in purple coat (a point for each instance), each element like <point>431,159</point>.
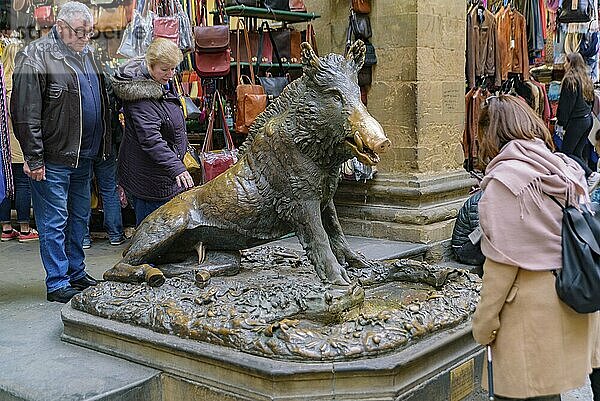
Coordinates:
<point>150,165</point>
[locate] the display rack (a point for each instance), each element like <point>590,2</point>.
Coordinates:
<point>264,13</point>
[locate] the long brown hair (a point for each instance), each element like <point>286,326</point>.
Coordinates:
<point>504,118</point>
<point>577,75</point>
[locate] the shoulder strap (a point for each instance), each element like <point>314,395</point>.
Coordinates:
<point>556,201</point>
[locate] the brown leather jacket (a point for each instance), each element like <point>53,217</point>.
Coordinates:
<point>483,52</point>
<point>512,39</point>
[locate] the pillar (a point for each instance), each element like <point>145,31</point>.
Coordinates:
<point>418,97</point>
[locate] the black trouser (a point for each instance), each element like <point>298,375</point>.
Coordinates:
<point>543,398</point>
<point>575,140</point>
<point>595,380</point>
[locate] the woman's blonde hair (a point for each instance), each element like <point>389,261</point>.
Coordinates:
<point>504,118</point>
<point>8,61</point>
<point>163,51</point>
<point>577,74</point>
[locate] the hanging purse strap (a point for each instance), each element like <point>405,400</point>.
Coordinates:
<point>273,45</point>
<point>248,53</point>
<point>207,146</point>
<point>311,37</point>
<point>348,33</point>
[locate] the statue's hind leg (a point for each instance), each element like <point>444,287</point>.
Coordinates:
<point>218,263</point>
<point>127,273</point>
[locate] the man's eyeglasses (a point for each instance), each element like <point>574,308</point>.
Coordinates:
<point>80,33</point>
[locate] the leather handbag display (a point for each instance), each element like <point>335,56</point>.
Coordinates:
<point>311,38</point>
<point>251,99</point>
<point>109,19</point>
<point>575,11</point>
<point>361,26</point>
<point>370,55</point>
<point>210,65</point>
<point>365,76</point>
<point>273,86</point>
<point>288,43</point>
<point>297,6</point>
<point>264,52</point>
<point>215,162</point>
<point>165,23</point>
<point>578,282</point>
<point>253,38</point>
<point>361,6</point>
<point>283,5</point>
<point>44,16</point>
<point>209,39</point>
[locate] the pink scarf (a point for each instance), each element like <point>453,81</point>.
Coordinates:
<point>521,225</point>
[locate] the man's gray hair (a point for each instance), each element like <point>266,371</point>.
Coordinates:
<point>74,10</point>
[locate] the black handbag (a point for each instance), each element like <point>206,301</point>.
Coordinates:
<point>273,85</point>
<point>361,26</point>
<point>575,11</point>
<point>370,56</point>
<point>365,76</point>
<point>588,47</point>
<point>578,282</point>
<point>283,5</point>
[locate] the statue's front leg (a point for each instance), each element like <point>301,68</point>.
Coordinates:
<point>313,238</point>
<point>337,239</point>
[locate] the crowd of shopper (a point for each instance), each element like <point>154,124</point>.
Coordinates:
<point>64,110</point>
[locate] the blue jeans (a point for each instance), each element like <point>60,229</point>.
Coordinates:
<point>22,197</point>
<point>144,207</point>
<point>61,204</point>
<point>106,173</point>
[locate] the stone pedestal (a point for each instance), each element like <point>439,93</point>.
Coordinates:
<point>418,97</point>
<point>444,366</point>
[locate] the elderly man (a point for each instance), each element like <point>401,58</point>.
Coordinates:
<point>60,116</point>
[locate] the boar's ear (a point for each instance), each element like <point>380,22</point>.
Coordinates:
<point>356,54</point>
<point>309,58</point>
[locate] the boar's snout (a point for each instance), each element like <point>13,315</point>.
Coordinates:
<point>368,139</point>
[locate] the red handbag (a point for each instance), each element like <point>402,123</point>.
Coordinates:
<point>167,24</point>
<point>215,162</point>
<point>361,6</point>
<point>44,16</point>
<point>210,39</point>
<point>213,64</point>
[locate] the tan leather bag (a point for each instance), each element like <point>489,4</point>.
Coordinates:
<point>251,99</point>
<point>110,19</point>
<point>361,6</point>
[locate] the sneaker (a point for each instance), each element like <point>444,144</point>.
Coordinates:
<point>593,181</point>
<point>117,241</point>
<point>87,243</point>
<point>32,235</point>
<point>14,234</point>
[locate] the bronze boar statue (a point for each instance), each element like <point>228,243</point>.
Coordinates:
<point>283,182</point>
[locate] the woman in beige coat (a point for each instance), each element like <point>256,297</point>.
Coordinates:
<point>540,346</point>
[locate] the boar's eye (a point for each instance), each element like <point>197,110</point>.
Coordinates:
<point>337,98</point>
